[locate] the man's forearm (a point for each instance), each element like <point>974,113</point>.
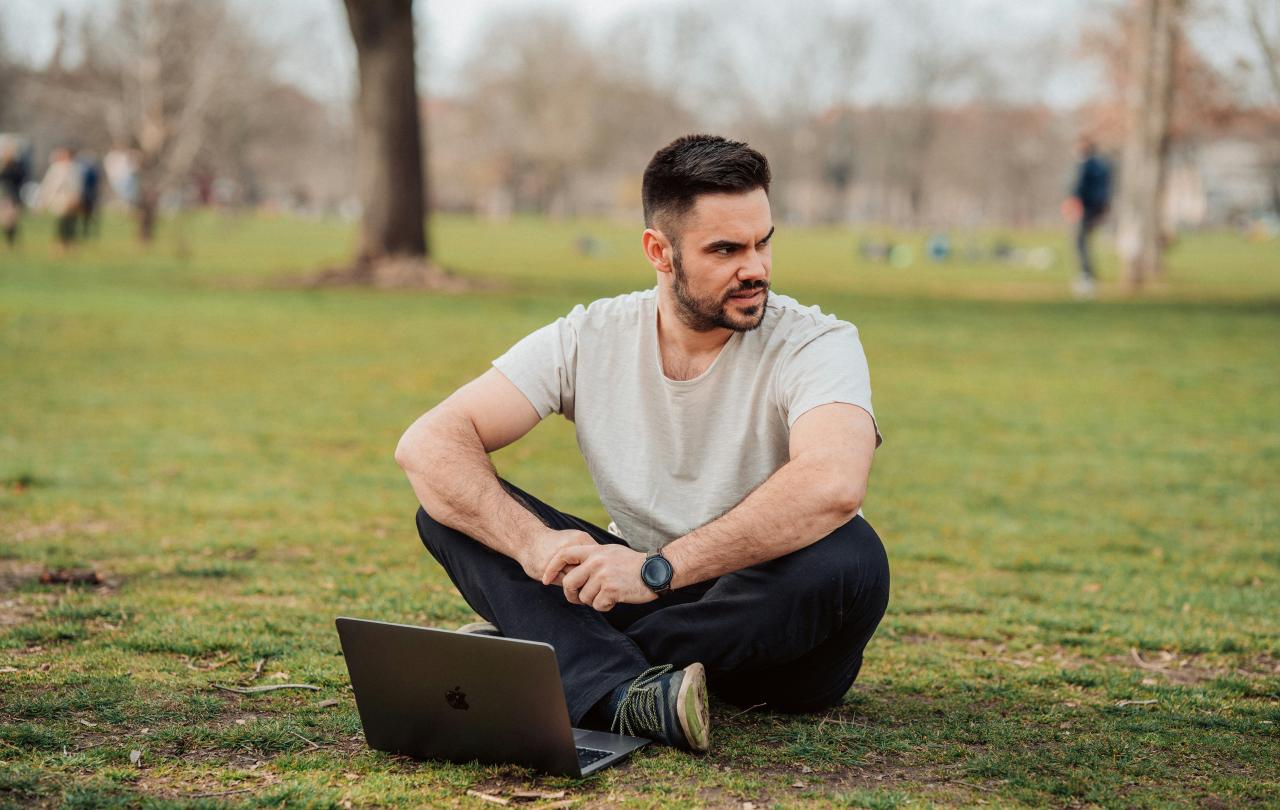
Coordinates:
<point>456,483</point>
<point>785,513</point>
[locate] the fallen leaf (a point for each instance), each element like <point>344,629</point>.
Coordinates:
<point>1149,681</point>
<point>805,768</point>
<point>78,576</point>
<point>797,784</point>
<point>46,666</point>
<point>488,797</point>
<point>135,757</point>
<point>8,669</point>
<point>87,723</point>
<point>1091,587</point>
<point>748,806</point>
<point>324,704</point>
<point>279,676</point>
<point>1136,702</point>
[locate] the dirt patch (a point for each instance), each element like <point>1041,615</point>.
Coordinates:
<point>14,573</point>
<point>60,528</point>
<point>390,273</point>
<point>1191,669</point>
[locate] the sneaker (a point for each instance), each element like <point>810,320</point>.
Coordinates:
<point>667,707</point>
<point>1084,288</point>
<point>480,629</point>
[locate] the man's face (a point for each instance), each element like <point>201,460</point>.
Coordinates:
<point>721,262</point>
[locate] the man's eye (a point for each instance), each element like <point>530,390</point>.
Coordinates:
<point>724,251</point>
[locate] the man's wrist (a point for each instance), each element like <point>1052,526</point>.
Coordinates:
<point>674,552</point>
<point>656,572</point>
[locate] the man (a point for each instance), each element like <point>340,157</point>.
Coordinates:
<point>1088,204</point>
<point>729,434</point>
<point>59,194</point>
<point>13,176</point>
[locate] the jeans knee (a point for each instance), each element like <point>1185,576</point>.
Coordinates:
<point>430,531</point>
<point>853,561</point>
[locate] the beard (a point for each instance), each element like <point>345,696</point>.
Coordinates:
<point>704,313</point>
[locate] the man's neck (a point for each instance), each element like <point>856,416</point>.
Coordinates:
<point>677,339</point>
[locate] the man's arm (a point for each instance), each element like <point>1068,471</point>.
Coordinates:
<point>818,490</point>
<point>445,455</point>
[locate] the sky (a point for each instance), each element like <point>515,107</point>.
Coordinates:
<point>450,29</point>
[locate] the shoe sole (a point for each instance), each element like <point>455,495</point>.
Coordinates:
<point>479,629</point>
<point>692,708</point>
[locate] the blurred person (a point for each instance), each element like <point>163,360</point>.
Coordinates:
<point>90,181</point>
<point>121,168</point>
<point>729,433</point>
<point>60,195</point>
<point>1090,199</point>
<point>13,176</point>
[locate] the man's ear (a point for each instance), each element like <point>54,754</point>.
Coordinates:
<point>657,249</point>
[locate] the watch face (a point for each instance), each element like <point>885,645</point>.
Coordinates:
<point>656,572</point>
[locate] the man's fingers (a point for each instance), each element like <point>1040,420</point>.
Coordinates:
<point>576,579</point>
<point>603,603</point>
<point>587,595</point>
<point>569,556</point>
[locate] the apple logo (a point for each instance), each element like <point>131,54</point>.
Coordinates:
<point>456,698</point>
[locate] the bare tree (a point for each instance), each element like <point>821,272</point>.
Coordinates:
<point>388,136</point>
<point>1264,25</point>
<point>161,77</point>
<point>1139,235</point>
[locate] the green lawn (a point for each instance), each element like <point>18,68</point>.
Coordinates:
<point>1079,502</point>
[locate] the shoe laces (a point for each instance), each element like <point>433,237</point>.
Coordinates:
<point>638,708</point>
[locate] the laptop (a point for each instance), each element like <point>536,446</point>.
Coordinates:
<point>438,694</point>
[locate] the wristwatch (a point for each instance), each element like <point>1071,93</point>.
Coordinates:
<point>657,572</point>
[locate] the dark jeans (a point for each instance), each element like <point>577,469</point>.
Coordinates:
<point>1088,221</point>
<point>65,229</point>
<point>788,633</point>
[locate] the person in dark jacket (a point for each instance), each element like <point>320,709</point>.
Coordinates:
<point>90,180</point>
<point>1090,199</point>
<point>13,175</point>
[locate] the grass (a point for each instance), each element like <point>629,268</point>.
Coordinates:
<point>1079,502</point>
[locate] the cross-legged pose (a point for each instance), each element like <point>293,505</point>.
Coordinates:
<point>729,434</point>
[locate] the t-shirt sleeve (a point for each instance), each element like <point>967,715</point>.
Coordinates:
<point>830,368</point>
<point>543,365</point>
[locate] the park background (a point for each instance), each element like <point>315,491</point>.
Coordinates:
<point>201,399</point>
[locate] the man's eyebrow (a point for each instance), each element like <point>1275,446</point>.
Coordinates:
<point>721,244</point>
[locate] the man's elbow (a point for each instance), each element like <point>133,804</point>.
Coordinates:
<point>845,499</point>
<point>404,451</point>
<point>413,444</point>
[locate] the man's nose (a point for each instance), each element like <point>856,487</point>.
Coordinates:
<point>755,267</point>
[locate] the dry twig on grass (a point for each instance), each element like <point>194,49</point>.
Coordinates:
<point>253,690</point>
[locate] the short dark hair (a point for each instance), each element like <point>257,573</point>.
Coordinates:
<point>698,164</point>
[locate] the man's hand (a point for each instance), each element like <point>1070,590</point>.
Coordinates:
<point>545,546</point>
<point>601,576</point>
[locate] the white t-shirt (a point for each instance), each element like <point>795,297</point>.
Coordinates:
<point>668,456</point>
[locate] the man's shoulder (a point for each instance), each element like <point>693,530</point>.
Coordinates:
<point>617,311</point>
<point>792,322</point>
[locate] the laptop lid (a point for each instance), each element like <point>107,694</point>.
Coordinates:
<point>444,695</point>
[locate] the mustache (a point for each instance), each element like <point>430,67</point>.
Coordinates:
<point>760,284</point>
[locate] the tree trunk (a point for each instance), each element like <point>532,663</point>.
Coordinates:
<point>1139,228</point>
<point>388,135</point>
